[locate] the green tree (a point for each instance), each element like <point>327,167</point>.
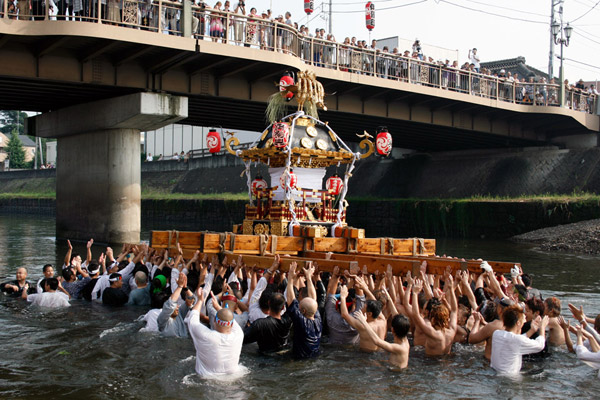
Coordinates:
<point>11,121</point>
<point>15,151</point>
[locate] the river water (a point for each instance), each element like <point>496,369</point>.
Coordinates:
<point>89,351</point>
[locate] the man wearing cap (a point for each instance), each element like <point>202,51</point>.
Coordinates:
<point>171,320</point>
<point>305,316</point>
<point>94,274</point>
<point>217,351</point>
<point>114,295</point>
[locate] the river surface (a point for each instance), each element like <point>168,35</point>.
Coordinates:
<point>90,351</point>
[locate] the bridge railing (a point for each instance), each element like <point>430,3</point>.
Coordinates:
<point>205,23</point>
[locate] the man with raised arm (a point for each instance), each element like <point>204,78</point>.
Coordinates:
<point>259,307</point>
<point>440,334</point>
<point>305,316</point>
<point>272,333</point>
<point>373,309</point>
<point>400,348</point>
<point>171,320</point>
<point>340,331</point>
<point>509,345</point>
<point>217,351</point>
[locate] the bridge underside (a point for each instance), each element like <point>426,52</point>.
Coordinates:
<point>228,85</point>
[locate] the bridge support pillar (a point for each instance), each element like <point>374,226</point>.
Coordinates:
<point>98,182</point>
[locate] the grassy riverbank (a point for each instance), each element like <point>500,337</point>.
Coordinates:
<point>45,193</point>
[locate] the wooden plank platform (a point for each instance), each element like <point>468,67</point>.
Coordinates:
<point>374,253</point>
<point>210,242</point>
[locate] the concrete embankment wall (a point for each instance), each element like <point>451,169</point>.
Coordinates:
<point>398,218</point>
<point>518,172</point>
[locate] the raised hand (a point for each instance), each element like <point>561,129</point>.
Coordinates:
<point>69,245</point>
<point>578,313</point>
<point>564,323</point>
<point>182,280</point>
<point>389,272</point>
<point>343,292</point>
<point>417,286</point>
<point>292,271</point>
<point>309,270</point>
<point>89,243</point>
<point>423,267</point>
<point>336,271</point>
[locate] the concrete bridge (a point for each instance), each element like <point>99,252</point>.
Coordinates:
<point>99,85</point>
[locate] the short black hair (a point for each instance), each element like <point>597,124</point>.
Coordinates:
<point>67,273</point>
<point>374,307</point>
<point>511,316</point>
<point>527,281</point>
<point>276,303</point>
<point>400,326</point>
<point>46,267</point>
<point>52,283</point>
<point>263,301</point>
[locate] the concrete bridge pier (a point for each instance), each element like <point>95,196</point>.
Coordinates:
<point>98,191</point>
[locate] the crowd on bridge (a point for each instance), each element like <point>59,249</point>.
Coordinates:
<point>223,304</point>
<point>243,25</point>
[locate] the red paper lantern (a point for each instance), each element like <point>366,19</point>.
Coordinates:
<point>309,6</point>
<point>384,142</point>
<point>284,82</point>
<point>281,134</point>
<point>213,141</point>
<point>370,14</point>
<point>258,183</point>
<point>293,180</point>
<point>334,185</point>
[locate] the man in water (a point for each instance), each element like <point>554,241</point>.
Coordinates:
<point>141,295</point>
<point>271,333</point>
<point>305,315</point>
<point>378,325</point>
<point>114,295</point>
<point>217,351</point>
<point>171,320</point>
<point>15,288</point>
<point>49,298</point>
<point>508,345</point>
<point>440,334</point>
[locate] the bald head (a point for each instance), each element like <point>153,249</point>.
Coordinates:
<point>224,320</point>
<point>308,307</point>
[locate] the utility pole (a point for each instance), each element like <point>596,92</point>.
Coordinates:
<point>330,17</point>
<point>551,59</point>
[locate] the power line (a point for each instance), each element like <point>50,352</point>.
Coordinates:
<point>582,63</point>
<point>585,37</point>
<point>494,14</point>
<point>361,2</point>
<point>380,9</point>
<point>508,8</point>
<point>586,32</point>
<point>586,13</point>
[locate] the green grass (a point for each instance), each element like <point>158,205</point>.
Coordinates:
<point>194,196</point>
<point>28,195</point>
<point>576,196</point>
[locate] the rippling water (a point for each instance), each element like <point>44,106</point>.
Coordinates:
<point>89,351</point>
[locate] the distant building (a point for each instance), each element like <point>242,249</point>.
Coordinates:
<point>515,66</point>
<point>28,146</point>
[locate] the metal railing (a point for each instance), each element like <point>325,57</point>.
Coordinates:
<point>203,23</point>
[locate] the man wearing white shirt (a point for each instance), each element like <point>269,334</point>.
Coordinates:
<point>217,351</point>
<point>508,346</point>
<point>50,298</point>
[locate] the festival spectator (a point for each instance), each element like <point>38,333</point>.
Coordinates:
<point>149,157</point>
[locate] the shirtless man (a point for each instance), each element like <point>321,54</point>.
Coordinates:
<point>379,325</point>
<point>400,348</point>
<point>556,336</point>
<point>440,334</point>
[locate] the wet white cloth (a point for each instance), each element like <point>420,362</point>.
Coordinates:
<point>254,311</point>
<point>49,299</point>
<point>103,282</point>
<point>217,354</point>
<point>508,349</point>
<point>588,357</point>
